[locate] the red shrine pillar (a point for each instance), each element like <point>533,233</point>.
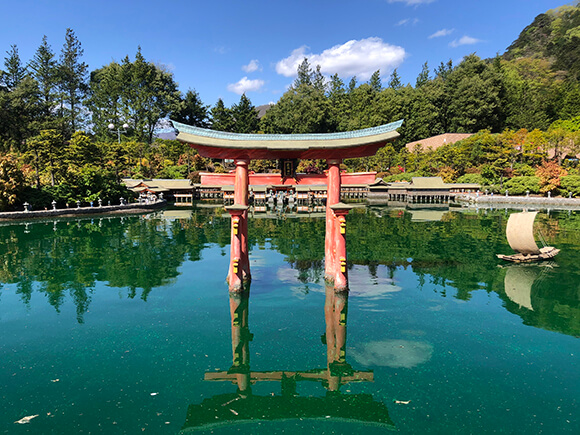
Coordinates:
<point>340,211</point>
<point>241,338</point>
<point>335,313</point>
<point>241,185</point>
<point>235,273</point>
<point>332,197</point>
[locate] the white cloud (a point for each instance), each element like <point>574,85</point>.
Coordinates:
<point>408,21</point>
<point>440,33</point>
<point>356,57</point>
<point>464,40</point>
<point>254,65</point>
<point>245,85</point>
<point>411,2</point>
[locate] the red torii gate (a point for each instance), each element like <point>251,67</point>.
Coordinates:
<point>333,147</point>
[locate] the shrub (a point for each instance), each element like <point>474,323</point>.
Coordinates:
<point>11,182</point>
<point>571,183</point>
<point>472,179</point>
<point>550,174</point>
<point>521,185</point>
<point>403,176</point>
<point>523,170</point>
<point>447,173</point>
<point>172,172</point>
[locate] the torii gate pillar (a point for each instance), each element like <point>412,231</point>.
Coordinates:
<point>340,211</point>
<point>241,187</point>
<point>239,270</point>
<point>332,197</point>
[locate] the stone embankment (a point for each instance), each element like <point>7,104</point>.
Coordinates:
<point>83,211</point>
<point>517,201</point>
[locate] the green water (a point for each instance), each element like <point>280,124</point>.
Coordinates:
<point>111,326</point>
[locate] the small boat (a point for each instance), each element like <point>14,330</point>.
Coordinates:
<point>520,236</point>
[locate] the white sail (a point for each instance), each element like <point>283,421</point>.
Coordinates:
<point>518,285</point>
<point>520,232</point>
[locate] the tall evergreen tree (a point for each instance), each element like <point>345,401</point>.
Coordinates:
<point>14,71</point>
<point>150,95</point>
<point>105,103</point>
<point>423,77</point>
<point>318,80</point>
<point>375,81</point>
<point>245,116</point>
<point>192,111</point>
<point>44,70</point>
<point>444,69</point>
<point>72,82</point>
<point>352,84</point>
<point>222,118</point>
<point>304,74</point>
<point>395,81</point>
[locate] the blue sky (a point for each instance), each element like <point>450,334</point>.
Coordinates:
<point>222,48</point>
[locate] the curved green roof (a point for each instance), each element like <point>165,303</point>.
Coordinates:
<point>204,132</point>
<point>348,144</point>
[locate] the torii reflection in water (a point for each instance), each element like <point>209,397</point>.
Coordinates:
<point>244,406</point>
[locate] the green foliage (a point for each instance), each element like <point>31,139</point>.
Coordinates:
<point>222,118</point>
<point>173,172</point>
<point>523,170</point>
<point>521,185</point>
<point>245,116</point>
<point>72,75</point>
<point>304,109</point>
<point>571,183</point>
<point>14,71</point>
<point>43,68</point>
<point>472,179</point>
<point>138,93</point>
<point>192,111</point>
<point>403,176</point>
<point>11,182</point>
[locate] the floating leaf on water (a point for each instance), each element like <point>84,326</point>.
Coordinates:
<point>25,420</point>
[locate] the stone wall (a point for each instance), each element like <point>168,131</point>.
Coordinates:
<point>126,208</point>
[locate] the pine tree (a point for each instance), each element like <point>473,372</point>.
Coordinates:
<point>14,72</point>
<point>222,118</point>
<point>318,80</point>
<point>352,84</point>
<point>444,69</point>
<point>72,81</point>
<point>192,111</point>
<point>44,70</point>
<point>375,81</point>
<point>245,116</point>
<point>423,77</point>
<point>304,76</point>
<point>395,81</point>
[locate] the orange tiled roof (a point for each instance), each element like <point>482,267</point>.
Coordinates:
<point>438,141</point>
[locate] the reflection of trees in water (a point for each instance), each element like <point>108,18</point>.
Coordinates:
<point>542,296</point>
<point>69,257</point>
<point>456,253</point>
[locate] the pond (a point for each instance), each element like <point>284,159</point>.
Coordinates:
<point>124,325</point>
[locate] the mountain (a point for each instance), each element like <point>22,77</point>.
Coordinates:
<point>553,36</point>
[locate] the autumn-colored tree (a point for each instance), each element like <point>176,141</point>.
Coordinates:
<point>11,181</point>
<point>550,174</point>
